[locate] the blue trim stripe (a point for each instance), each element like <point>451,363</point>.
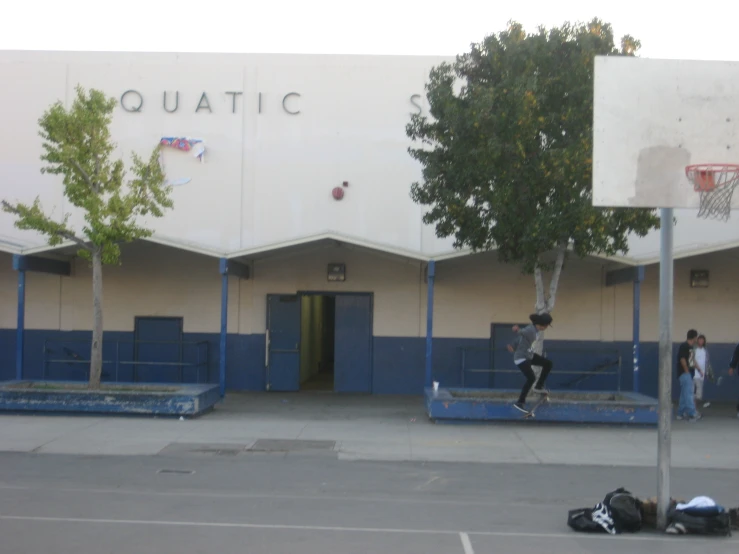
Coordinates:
<point>20,329</point>
<point>431,272</point>
<point>224,326</point>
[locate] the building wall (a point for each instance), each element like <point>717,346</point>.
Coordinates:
<point>471,293</point>
<point>152,280</point>
<point>299,126</point>
<point>268,171</point>
<point>8,292</point>
<point>710,310</point>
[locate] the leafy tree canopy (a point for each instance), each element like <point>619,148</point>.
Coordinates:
<point>507,151</point>
<point>78,146</point>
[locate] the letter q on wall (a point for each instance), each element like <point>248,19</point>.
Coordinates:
<point>136,101</point>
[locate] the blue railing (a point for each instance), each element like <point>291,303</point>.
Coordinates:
<point>127,360</point>
<point>573,366</point>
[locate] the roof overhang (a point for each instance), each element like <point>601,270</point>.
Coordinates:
<point>329,238</point>
<point>321,241</point>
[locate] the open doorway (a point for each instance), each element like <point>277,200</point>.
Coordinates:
<point>317,341</point>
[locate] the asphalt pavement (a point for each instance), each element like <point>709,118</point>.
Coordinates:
<point>206,500</point>
<point>378,428</point>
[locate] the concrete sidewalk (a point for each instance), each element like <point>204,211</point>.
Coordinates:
<point>376,428</point>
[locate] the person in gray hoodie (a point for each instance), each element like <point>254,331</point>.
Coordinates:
<point>524,357</point>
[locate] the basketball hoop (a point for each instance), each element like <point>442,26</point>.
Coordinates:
<point>715,183</point>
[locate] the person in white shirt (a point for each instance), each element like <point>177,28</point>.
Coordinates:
<point>702,368</point>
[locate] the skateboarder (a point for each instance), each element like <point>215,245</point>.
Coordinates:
<point>524,357</point>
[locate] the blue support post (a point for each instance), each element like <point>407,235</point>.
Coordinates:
<point>224,325</point>
<point>431,274</point>
<point>638,278</point>
<point>21,264</point>
<point>20,329</point>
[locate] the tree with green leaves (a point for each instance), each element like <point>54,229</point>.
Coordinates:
<point>507,150</point>
<point>78,146</point>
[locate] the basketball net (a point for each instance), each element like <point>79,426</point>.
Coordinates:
<point>715,184</point>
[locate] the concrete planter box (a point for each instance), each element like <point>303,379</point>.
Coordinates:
<point>118,398</point>
<point>481,405</point>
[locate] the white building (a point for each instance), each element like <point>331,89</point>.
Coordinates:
<point>280,133</point>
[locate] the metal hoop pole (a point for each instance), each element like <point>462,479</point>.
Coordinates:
<point>665,366</point>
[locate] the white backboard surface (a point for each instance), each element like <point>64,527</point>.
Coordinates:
<point>652,118</point>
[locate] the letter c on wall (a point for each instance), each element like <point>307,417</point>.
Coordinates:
<point>284,100</point>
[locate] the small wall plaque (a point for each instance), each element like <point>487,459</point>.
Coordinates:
<point>336,272</point>
<point>699,278</point>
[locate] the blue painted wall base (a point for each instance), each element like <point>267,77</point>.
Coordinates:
<point>476,405</point>
<point>398,363</point>
<point>171,400</point>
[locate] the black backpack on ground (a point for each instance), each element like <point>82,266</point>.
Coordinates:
<point>619,512</point>
<point>625,510</point>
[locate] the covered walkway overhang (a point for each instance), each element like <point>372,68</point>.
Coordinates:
<point>58,260</point>
<point>238,264</point>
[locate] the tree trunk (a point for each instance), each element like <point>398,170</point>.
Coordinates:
<point>541,306</point>
<point>96,353</point>
<point>554,283</point>
<point>541,301</point>
<point>546,303</point>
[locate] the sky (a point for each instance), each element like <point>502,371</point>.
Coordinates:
<point>430,27</point>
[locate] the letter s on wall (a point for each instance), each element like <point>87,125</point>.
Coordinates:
<point>414,103</point>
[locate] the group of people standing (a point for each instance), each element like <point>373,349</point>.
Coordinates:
<point>693,368</point>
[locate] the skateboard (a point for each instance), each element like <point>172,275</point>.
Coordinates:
<point>539,401</point>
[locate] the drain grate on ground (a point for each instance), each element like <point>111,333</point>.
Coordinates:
<point>219,451</point>
<point>290,445</point>
<point>201,450</point>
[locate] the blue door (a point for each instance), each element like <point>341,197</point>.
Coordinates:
<point>353,344</point>
<point>501,336</point>
<point>158,349</point>
<point>283,342</point>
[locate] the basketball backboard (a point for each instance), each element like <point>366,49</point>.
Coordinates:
<point>652,118</point>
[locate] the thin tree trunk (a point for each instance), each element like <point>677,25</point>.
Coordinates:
<point>541,305</point>
<point>546,303</point>
<point>541,301</point>
<point>96,353</point>
<point>554,283</point>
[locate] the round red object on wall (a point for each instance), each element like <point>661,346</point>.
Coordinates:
<point>338,193</point>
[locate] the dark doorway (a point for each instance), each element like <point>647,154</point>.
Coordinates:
<point>158,349</point>
<point>317,342</point>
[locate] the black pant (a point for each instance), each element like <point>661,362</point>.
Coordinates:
<point>528,372</point>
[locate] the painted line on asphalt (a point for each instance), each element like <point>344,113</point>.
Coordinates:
<point>466,544</point>
<point>339,529</point>
<point>534,504</point>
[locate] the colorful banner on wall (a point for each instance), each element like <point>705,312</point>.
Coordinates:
<point>183,144</point>
<point>196,146</point>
